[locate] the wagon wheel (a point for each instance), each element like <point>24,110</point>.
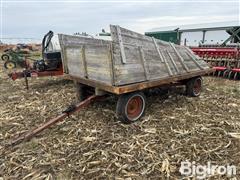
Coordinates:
<point>5,57</point>
<point>131,107</point>
<point>194,87</point>
<point>9,65</point>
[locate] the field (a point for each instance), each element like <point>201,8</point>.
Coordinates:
<point>93,144</point>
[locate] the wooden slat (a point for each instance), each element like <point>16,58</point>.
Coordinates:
<point>70,40</point>
<point>121,45</point>
<point>173,62</point>
<point>180,57</point>
<point>64,60</point>
<point>84,61</point>
<point>157,48</point>
<point>166,64</point>
<point>63,54</point>
<point>146,70</point>
<point>110,61</point>
<point>137,36</point>
<point>129,73</point>
<point>193,58</point>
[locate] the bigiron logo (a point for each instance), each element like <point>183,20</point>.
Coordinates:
<point>202,171</point>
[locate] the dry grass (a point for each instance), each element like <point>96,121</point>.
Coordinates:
<point>93,144</point>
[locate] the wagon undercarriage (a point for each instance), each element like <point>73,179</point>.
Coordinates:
<point>128,64</point>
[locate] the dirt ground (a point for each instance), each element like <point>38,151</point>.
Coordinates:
<point>93,144</point>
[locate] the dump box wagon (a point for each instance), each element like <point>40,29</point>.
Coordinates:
<point>128,64</point>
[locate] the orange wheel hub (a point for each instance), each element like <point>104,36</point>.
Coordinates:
<point>197,86</point>
<point>134,107</point>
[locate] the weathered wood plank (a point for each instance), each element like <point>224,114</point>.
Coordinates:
<point>74,62</point>
<point>69,40</point>
<point>129,73</point>
<point>120,41</point>
<point>173,62</point>
<point>64,60</point>
<point>84,61</point>
<point>157,48</point>
<point>157,71</point>
<point>180,57</point>
<point>143,61</point>
<point>166,64</point>
<point>194,59</point>
<point>132,54</point>
<point>111,65</point>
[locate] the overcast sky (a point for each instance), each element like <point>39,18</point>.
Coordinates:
<point>34,18</point>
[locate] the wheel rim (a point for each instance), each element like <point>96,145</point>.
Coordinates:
<point>197,86</point>
<point>10,65</point>
<point>135,107</point>
<point>5,57</point>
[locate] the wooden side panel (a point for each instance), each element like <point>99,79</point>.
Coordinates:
<point>87,58</point>
<point>130,72</point>
<point>156,60</point>
<point>128,59</point>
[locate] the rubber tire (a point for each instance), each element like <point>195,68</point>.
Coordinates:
<point>5,64</point>
<point>5,56</point>
<point>190,85</point>
<point>122,103</point>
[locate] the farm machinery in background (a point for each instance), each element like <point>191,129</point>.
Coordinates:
<point>51,62</point>
<point>12,58</point>
<point>225,60</point>
<point>216,43</point>
<point>49,65</point>
<point>16,55</point>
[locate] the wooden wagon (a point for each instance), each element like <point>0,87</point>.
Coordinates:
<point>128,64</point>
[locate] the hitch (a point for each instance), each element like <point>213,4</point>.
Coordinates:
<point>66,113</point>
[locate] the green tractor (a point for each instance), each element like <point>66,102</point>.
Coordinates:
<point>13,58</point>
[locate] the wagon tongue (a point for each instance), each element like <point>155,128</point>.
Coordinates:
<point>66,113</point>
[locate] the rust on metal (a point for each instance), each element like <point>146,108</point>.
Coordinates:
<point>66,113</point>
<point>34,73</point>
